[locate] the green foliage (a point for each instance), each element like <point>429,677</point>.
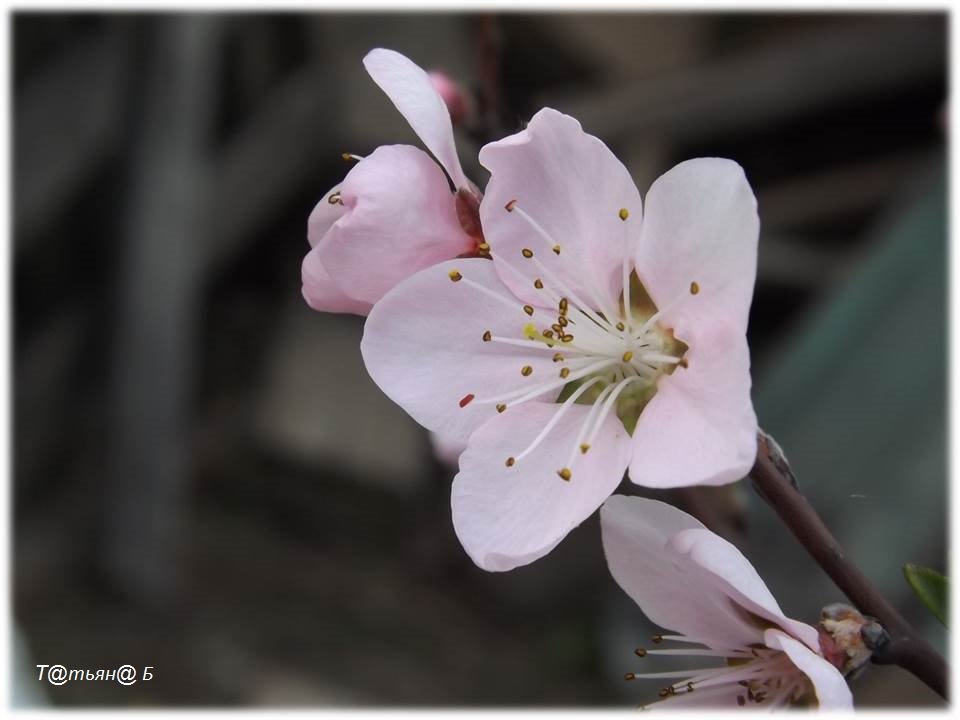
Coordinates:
<point>931,587</point>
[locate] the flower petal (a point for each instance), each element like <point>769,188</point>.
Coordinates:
<point>400,219</point>
<point>570,184</point>
<point>670,588</point>
<point>831,688</point>
<point>734,576</point>
<point>322,293</point>
<point>700,226</point>
<point>324,215</point>
<point>413,94</point>
<point>700,427</point>
<point>510,516</point>
<point>423,345</point>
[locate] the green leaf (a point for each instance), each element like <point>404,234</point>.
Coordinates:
<point>931,587</point>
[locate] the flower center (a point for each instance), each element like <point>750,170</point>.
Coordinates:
<point>759,675</point>
<point>607,357</point>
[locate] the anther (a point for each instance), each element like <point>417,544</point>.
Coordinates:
<point>538,284</point>
<point>683,363</point>
<point>501,407</point>
<point>526,370</point>
<point>689,687</point>
<point>556,249</point>
<point>547,333</point>
<point>621,327</point>
<point>694,288</point>
<point>558,357</point>
<point>657,639</point>
<point>565,474</point>
<point>564,305</point>
<point>564,372</point>
<point>628,356</point>
<point>483,247</point>
<point>558,327</point>
<point>666,691</point>
<point>334,199</point>
<point>528,309</point>
<point>510,205</point>
<point>629,676</point>
<point>639,652</point>
<point>487,336</point>
<point>455,275</point>
<point>624,213</point>
<point>510,462</point>
<point>566,338</point>
<point>466,399</point>
<point>562,320</point>
<point>527,253</point>
<point>584,448</point>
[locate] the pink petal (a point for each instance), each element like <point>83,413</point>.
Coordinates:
<point>413,94</point>
<point>423,345</point>
<point>510,516</point>
<point>735,577</point>
<point>322,293</point>
<point>401,218</point>
<point>831,689</point>
<point>573,187</point>
<point>700,427</point>
<point>701,226</point>
<point>323,216</point>
<point>669,587</point>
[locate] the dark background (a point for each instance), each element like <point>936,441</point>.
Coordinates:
<point>205,479</point>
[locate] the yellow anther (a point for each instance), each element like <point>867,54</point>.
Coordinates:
<point>628,356</point>
<point>694,288</point>
<point>526,370</point>
<point>334,199</point>
<point>565,474</point>
<point>455,275</point>
<point>558,327</point>
<point>487,336</point>
<point>564,372</point>
<point>558,357</point>
<point>510,205</point>
<point>527,253</point>
<point>510,462</point>
<point>624,213</point>
<point>501,407</point>
<point>556,249</point>
<point>621,327</point>
<point>528,309</point>
<point>584,448</point>
<point>566,338</point>
<point>538,284</point>
<point>564,306</point>
<point>483,247</point>
<point>562,320</point>
<point>548,333</point>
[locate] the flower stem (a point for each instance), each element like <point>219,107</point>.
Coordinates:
<point>774,482</point>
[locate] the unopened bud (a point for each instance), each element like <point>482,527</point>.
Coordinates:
<point>456,100</point>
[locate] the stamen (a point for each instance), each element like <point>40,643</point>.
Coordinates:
<point>556,249</point>
<point>466,400</point>
<point>487,336</point>
<point>510,462</point>
<point>625,265</point>
<point>628,356</point>
<point>501,407</point>
<point>565,474</point>
<point>526,370</point>
<point>483,247</point>
<point>334,199</point>
<point>585,428</point>
<point>557,417</point>
<point>528,309</point>
<point>510,302</point>
<point>694,288</point>
<point>564,372</point>
<point>584,448</point>
<point>347,157</point>
<point>558,357</point>
<point>455,275</point>
<point>510,205</point>
<point>538,284</point>
<point>629,676</point>
<point>624,214</point>
<point>527,253</point>
<point>605,410</point>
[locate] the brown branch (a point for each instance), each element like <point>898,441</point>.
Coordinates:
<point>773,481</point>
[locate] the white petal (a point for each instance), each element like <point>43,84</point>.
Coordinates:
<point>510,516</point>
<point>570,184</point>
<point>413,94</point>
<point>831,688</point>
<point>701,226</point>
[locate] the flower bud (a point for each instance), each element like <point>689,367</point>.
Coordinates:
<point>454,97</point>
<point>848,638</point>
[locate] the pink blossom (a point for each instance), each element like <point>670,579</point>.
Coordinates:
<point>456,100</point>
<point>693,582</point>
<point>598,339</point>
<point>394,213</point>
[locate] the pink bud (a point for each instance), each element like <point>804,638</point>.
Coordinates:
<point>456,100</point>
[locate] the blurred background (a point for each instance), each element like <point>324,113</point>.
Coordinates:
<point>206,480</point>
